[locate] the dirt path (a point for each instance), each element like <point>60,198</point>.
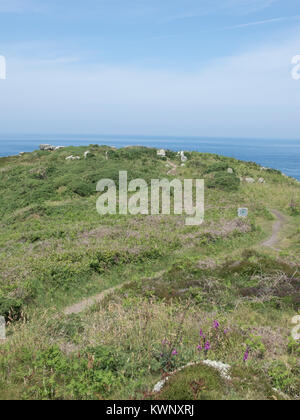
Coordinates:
<point>173,169</point>
<point>277,227</point>
<point>87,303</point>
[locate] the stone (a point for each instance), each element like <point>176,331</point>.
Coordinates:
<point>47,147</point>
<point>73,157</point>
<point>161,153</point>
<point>261,181</point>
<point>221,367</point>
<point>86,154</point>
<point>183,157</point>
<point>230,170</point>
<point>250,180</point>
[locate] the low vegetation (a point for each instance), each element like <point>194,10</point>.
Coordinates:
<point>187,294</point>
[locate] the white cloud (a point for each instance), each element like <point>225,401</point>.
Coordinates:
<point>249,6</point>
<point>250,95</point>
<point>264,22</point>
<point>232,7</point>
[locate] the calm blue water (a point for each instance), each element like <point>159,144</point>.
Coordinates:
<point>278,154</point>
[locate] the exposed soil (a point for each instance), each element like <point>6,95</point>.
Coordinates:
<point>277,226</point>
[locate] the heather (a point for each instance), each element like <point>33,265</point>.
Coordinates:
<point>185,294</point>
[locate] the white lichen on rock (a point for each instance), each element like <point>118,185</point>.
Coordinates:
<point>221,367</point>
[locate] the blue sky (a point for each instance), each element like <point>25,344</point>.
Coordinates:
<point>169,67</point>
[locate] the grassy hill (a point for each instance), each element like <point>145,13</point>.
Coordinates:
<point>173,281</point>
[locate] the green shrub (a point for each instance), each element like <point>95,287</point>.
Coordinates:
<point>224,181</point>
<point>216,167</point>
<point>84,189</point>
<point>193,383</point>
<point>281,376</point>
<point>10,308</point>
<point>90,375</point>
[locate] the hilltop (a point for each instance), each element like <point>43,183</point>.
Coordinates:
<point>98,307</point>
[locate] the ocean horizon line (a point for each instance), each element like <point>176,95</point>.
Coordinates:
<point>283,155</point>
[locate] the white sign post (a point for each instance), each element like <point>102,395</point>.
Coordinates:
<point>2,328</point>
<point>296,330</point>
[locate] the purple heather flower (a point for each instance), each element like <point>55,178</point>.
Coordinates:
<point>246,355</point>
<point>207,346</point>
<point>216,325</point>
<point>201,334</point>
<point>174,352</point>
<point>199,347</point>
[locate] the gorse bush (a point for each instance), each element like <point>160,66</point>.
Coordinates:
<point>216,167</point>
<point>105,260</point>
<point>224,181</point>
<point>10,309</point>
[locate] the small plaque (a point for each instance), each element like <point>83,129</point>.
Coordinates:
<point>243,212</point>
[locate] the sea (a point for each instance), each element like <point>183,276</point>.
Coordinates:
<point>283,155</point>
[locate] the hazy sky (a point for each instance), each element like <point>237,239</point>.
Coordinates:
<point>169,67</point>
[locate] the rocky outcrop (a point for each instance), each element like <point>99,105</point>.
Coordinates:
<point>47,147</point>
<point>50,147</point>
<point>223,369</point>
<point>250,180</point>
<point>73,157</point>
<point>182,156</point>
<point>161,153</point>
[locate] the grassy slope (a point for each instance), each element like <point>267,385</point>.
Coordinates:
<point>56,250</point>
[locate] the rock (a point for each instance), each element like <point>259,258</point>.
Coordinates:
<point>261,181</point>
<point>182,157</point>
<point>159,386</point>
<point>21,153</point>
<point>161,153</point>
<point>86,154</point>
<point>250,180</point>
<point>50,147</point>
<point>230,170</point>
<point>72,157</point>
<point>221,367</point>
<point>47,147</point>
